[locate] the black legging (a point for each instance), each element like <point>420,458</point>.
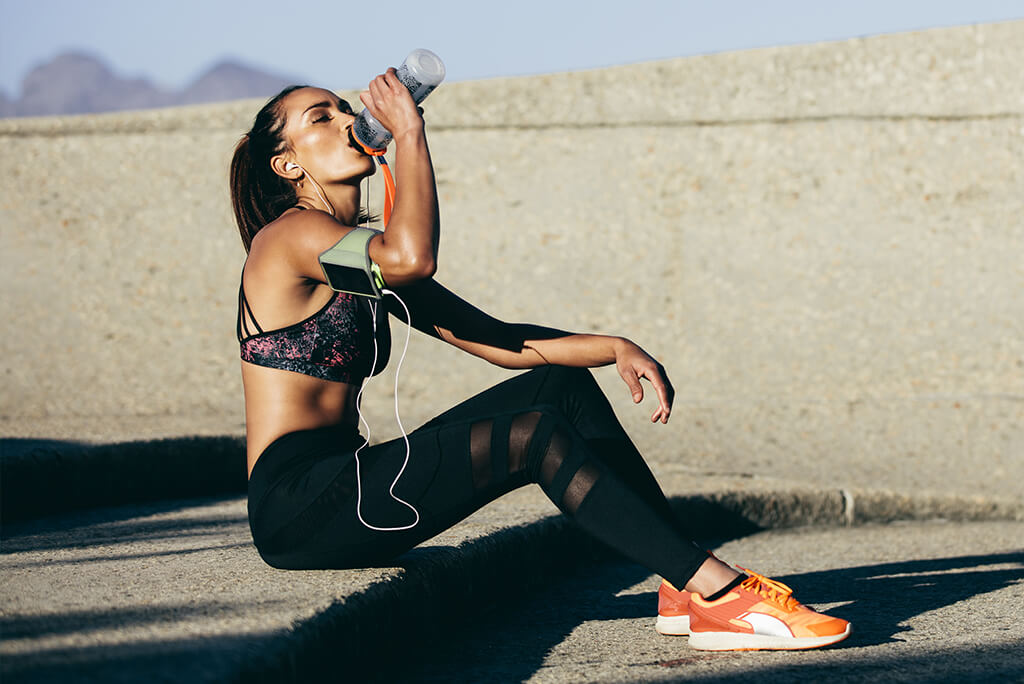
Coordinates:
<point>552,426</point>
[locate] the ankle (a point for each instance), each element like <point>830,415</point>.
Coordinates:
<point>726,589</point>
<point>711,577</point>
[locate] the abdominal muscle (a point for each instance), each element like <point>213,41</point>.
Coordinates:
<point>278,402</point>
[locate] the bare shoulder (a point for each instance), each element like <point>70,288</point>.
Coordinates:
<point>303,228</point>
<point>298,238</point>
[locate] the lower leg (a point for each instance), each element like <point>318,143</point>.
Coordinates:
<point>631,514</point>
<point>628,519</point>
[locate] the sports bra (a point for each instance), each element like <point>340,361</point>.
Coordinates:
<point>335,343</point>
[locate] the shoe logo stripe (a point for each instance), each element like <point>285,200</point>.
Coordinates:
<point>766,624</point>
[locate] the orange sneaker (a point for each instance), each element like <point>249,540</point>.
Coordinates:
<point>673,610</point>
<point>760,614</point>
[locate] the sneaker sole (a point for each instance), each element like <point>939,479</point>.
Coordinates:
<point>738,641</point>
<point>677,625</point>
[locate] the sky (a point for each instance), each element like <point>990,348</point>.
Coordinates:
<point>342,44</point>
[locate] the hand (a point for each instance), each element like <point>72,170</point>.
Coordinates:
<point>634,363</point>
<point>390,102</point>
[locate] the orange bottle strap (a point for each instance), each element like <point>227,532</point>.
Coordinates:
<point>389,189</point>
<point>389,180</point>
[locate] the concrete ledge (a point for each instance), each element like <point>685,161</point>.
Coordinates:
<point>443,590</point>
<point>779,226</point>
<point>40,478</point>
<point>45,477</point>
<point>944,74</point>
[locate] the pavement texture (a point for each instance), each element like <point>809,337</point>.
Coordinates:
<point>174,591</point>
<point>933,601</point>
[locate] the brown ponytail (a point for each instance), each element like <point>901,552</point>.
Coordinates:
<point>258,195</point>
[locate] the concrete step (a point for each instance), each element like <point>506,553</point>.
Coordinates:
<point>175,590</point>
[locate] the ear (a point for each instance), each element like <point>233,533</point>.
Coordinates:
<point>285,168</point>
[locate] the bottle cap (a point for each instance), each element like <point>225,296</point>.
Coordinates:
<point>428,67</point>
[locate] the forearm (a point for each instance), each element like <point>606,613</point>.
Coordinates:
<point>410,239</point>
<point>571,349</point>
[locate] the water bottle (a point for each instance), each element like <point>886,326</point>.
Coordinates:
<point>421,72</point>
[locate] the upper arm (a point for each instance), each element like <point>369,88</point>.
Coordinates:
<point>308,234</point>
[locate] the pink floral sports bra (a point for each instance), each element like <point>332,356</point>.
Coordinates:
<point>335,343</point>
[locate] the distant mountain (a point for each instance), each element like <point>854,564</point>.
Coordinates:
<point>78,83</point>
<point>6,106</point>
<point>232,81</point>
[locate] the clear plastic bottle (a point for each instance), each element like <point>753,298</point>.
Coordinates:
<point>421,72</point>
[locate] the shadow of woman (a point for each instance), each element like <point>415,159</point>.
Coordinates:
<point>512,643</point>
<point>509,643</point>
<point>882,598</point>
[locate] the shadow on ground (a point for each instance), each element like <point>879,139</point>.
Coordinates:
<point>511,643</point>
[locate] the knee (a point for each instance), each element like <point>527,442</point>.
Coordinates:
<point>549,417</point>
<point>568,380</point>
<point>568,374</point>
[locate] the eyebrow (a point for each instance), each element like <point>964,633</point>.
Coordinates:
<point>325,103</point>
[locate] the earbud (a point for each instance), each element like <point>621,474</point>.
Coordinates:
<point>290,166</point>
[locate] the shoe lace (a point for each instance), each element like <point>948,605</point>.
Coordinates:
<point>770,589</point>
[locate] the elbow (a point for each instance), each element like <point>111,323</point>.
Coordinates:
<point>420,267</point>
<point>425,267</point>
<point>410,269</point>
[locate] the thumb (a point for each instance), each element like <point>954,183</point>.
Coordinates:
<point>633,382</point>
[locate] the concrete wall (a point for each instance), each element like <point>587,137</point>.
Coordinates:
<point>822,243</point>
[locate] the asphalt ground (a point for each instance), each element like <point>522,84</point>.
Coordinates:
<point>174,591</point>
<point>929,601</point>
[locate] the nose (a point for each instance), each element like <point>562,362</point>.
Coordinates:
<point>345,121</point>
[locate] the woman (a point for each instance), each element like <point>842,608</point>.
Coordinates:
<point>306,350</point>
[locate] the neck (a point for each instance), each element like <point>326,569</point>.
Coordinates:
<point>343,199</point>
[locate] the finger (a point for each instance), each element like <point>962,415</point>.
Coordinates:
<point>670,391</point>
<point>661,413</point>
<point>378,87</point>
<point>391,78</point>
<point>662,390</point>
<point>633,382</point>
<point>663,398</point>
<point>367,99</point>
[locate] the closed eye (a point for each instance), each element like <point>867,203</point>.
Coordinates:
<point>322,118</point>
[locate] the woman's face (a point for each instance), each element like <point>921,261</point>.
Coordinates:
<point>317,126</point>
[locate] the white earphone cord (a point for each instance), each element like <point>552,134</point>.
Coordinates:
<point>398,418</point>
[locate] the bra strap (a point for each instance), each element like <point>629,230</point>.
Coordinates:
<point>244,310</point>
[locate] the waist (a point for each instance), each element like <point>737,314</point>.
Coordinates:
<point>301,445</point>
<point>278,402</point>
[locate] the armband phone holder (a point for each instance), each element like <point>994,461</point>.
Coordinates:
<point>348,268</point>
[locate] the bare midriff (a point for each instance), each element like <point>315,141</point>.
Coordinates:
<point>278,402</point>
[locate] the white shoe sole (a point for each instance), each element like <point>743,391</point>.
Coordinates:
<point>736,641</point>
<point>678,625</point>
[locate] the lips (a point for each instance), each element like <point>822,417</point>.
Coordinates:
<point>354,143</point>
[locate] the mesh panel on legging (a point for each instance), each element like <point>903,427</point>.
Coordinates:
<point>542,446</point>
<point>525,445</point>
